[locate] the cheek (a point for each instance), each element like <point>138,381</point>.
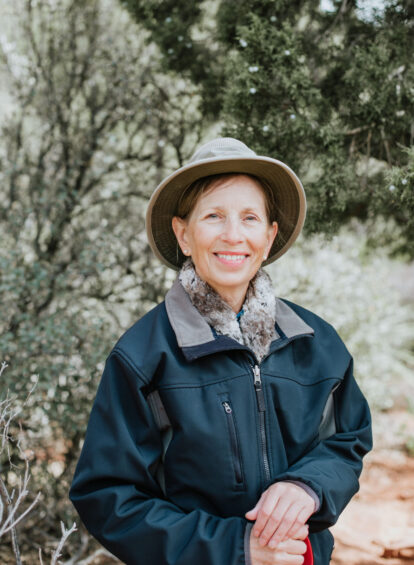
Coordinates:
<point>260,240</point>
<point>202,238</point>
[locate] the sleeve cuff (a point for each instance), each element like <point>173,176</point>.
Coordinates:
<point>247,556</point>
<point>308,490</point>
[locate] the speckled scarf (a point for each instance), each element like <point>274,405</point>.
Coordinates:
<point>255,328</point>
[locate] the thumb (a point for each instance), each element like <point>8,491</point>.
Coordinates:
<point>252,514</point>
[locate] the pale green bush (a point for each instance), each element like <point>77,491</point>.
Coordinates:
<point>354,289</point>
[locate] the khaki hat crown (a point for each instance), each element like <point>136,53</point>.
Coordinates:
<point>221,147</point>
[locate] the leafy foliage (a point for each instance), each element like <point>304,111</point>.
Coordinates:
<point>181,31</point>
<point>92,126</point>
<point>331,97</point>
<point>331,93</point>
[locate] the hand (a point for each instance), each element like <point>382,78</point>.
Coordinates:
<point>289,552</point>
<point>281,513</point>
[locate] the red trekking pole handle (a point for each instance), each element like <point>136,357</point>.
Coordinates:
<point>309,553</point>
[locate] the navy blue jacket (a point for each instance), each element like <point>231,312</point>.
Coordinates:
<point>188,429</point>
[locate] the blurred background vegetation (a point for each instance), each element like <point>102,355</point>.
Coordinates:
<point>99,100</point>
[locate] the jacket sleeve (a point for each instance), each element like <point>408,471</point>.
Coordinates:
<point>332,468</point>
<point>117,496</point>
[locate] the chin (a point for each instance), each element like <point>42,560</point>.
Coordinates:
<point>232,279</point>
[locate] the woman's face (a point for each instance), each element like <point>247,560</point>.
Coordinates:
<point>227,234</point>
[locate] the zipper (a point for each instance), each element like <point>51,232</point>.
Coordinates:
<point>262,410</point>
<point>233,441</point>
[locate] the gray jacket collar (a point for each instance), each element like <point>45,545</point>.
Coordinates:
<point>192,330</point>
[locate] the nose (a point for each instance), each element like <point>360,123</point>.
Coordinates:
<point>232,231</point>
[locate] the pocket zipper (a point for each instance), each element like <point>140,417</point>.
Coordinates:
<point>233,441</point>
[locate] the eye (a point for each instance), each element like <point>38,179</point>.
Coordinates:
<point>250,218</point>
<point>212,215</point>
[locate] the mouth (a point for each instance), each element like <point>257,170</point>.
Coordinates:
<point>231,258</point>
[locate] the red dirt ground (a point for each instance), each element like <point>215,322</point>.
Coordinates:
<point>377,527</point>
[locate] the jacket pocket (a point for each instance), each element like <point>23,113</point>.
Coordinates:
<point>234,440</point>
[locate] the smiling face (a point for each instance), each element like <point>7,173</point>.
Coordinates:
<point>228,234</point>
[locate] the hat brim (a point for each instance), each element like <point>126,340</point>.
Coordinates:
<point>288,190</point>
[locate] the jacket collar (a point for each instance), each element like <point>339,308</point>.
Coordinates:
<point>196,337</point>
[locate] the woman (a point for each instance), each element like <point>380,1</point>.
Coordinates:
<point>227,425</point>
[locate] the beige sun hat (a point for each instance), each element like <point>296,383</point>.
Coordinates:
<point>220,156</point>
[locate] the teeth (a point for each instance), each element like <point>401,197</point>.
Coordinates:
<point>231,257</point>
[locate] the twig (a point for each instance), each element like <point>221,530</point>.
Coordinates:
<point>74,560</point>
<point>358,130</point>
<point>387,146</point>
<point>367,156</point>
<point>11,521</point>
<point>5,495</point>
<point>65,534</point>
<point>91,558</point>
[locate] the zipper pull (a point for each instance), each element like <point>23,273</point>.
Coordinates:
<point>258,388</point>
<point>227,407</point>
<point>257,379</point>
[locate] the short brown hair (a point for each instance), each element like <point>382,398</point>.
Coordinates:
<point>195,190</point>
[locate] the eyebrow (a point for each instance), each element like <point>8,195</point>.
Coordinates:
<point>250,209</point>
<point>220,207</point>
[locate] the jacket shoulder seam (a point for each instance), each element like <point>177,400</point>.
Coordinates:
<point>138,324</point>
<point>126,359</point>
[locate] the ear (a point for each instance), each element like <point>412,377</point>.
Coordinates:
<point>273,229</point>
<point>179,227</point>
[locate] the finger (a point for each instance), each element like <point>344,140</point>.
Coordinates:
<point>268,502</point>
<point>296,559</point>
<point>252,514</point>
<point>302,533</point>
<point>283,558</point>
<point>301,519</point>
<point>288,520</point>
<point>288,555</point>
<point>293,522</point>
<point>293,546</point>
<point>274,521</point>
